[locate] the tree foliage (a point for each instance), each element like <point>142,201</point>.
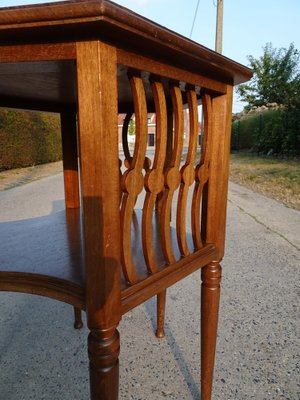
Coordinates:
<point>275,77</point>
<point>131,127</point>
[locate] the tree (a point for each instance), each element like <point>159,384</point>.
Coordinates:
<point>275,77</point>
<point>131,127</point>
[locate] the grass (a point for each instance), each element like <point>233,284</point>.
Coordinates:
<point>275,178</point>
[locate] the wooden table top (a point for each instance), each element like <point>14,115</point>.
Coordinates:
<point>51,82</point>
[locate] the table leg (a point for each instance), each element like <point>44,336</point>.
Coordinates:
<point>161,311</point>
<point>78,324</point>
<point>100,184</point>
<point>210,297</point>
<point>70,158</point>
<point>104,349</point>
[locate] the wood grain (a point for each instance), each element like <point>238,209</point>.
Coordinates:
<point>219,170</point>
<point>70,159</point>
<point>187,173</point>
<point>97,101</point>
<point>95,58</point>
<point>201,177</point>
<point>172,175</point>
<point>97,98</point>
<point>133,180</point>
<point>154,179</point>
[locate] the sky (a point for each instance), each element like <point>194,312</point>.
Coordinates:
<point>247,25</point>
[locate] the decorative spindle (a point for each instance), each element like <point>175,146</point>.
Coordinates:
<point>132,182</point>
<point>172,176</point>
<point>187,173</point>
<point>154,179</point>
<point>201,177</point>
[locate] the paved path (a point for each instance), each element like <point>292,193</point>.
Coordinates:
<point>43,357</point>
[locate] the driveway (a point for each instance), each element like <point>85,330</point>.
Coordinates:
<point>43,357</point>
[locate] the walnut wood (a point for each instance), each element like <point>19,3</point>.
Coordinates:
<point>78,324</point>
<point>187,173</point>
<point>219,171</point>
<point>168,71</point>
<point>162,296</point>
<point>55,239</point>
<point>172,175</point>
<point>201,177</point>
<point>62,269</point>
<point>210,298</point>
<point>154,179</point>
<point>38,52</point>
<point>84,19</point>
<point>93,59</point>
<point>70,159</point>
<point>161,310</point>
<point>103,350</point>
<point>133,180</point>
<point>97,101</point>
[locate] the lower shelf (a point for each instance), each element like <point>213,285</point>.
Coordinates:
<point>44,256</point>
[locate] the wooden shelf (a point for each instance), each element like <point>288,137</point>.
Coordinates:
<point>44,256</point>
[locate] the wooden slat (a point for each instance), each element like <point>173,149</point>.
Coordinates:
<point>133,180</point>
<point>38,52</point>
<point>168,71</point>
<point>201,175</point>
<point>187,173</point>
<point>172,176</point>
<point>143,290</point>
<point>154,179</point>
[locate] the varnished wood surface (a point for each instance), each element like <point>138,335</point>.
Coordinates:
<point>96,59</point>
<point>37,54</point>
<point>46,253</point>
<point>38,85</point>
<point>100,186</point>
<point>43,256</point>
<point>102,19</point>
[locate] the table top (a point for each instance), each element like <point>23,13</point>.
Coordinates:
<point>50,83</point>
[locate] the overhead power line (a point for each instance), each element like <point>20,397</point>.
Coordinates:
<point>195,16</point>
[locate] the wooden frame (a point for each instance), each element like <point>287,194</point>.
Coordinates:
<point>89,61</point>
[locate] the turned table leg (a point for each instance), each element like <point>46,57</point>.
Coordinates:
<point>161,311</point>
<point>104,348</point>
<point>210,296</point>
<point>78,324</point>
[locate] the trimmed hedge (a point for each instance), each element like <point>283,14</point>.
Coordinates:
<point>275,130</point>
<point>28,138</point>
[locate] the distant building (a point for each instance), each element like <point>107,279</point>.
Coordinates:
<point>152,129</point>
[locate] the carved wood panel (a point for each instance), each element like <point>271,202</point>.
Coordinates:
<point>167,182</point>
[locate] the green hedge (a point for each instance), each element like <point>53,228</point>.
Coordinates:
<point>28,138</point>
<point>275,130</point>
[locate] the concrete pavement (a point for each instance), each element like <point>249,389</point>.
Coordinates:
<point>43,357</point>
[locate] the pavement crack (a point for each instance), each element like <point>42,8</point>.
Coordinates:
<point>264,225</point>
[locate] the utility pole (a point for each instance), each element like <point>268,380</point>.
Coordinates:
<point>219,26</point>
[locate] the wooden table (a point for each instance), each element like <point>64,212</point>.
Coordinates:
<point>90,61</point>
